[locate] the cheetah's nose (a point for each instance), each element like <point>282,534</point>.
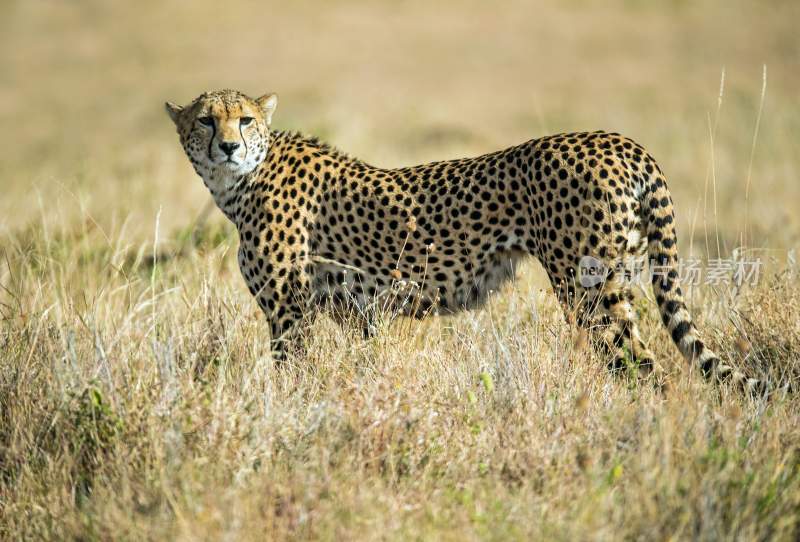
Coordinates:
<point>228,147</point>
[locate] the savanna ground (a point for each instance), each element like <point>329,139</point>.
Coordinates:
<point>137,396</point>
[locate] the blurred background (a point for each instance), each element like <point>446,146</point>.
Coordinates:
<point>138,399</point>
<point>82,85</point>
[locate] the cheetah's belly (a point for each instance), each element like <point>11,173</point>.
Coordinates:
<point>343,288</point>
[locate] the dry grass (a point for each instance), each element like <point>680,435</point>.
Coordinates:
<point>137,398</point>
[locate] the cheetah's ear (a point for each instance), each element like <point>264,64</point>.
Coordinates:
<point>268,103</point>
<point>173,111</point>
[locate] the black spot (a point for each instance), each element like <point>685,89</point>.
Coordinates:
<point>680,331</point>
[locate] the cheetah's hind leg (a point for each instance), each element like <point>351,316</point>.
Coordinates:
<point>606,312</point>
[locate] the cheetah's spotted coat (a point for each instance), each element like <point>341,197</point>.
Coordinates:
<point>318,227</point>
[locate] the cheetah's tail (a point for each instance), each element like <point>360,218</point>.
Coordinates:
<point>659,218</point>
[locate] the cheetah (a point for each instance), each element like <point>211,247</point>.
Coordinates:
<point>319,228</point>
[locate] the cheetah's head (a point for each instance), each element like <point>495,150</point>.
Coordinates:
<point>225,133</point>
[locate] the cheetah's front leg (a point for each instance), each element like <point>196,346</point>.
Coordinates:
<point>289,305</point>
<point>281,285</point>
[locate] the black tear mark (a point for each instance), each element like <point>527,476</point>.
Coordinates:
<point>243,142</point>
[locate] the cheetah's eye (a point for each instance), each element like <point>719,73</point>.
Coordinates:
<point>244,121</point>
<point>206,121</point>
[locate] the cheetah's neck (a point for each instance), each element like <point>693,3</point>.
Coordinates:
<point>230,190</point>
<point>226,188</point>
